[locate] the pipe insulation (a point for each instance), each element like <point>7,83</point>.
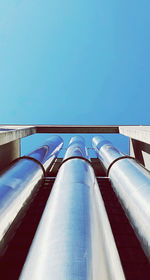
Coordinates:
<point>74,240</point>
<point>21,178</point>
<point>131,183</point>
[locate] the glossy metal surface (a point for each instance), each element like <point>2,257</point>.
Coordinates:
<point>76,148</point>
<point>106,152</point>
<point>48,151</point>
<point>131,182</point>
<point>18,182</point>
<point>74,240</point>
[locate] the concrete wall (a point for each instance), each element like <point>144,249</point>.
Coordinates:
<point>9,152</point>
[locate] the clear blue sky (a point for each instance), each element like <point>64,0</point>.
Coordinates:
<point>74,61</point>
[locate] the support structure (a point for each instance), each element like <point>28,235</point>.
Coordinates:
<point>83,225</point>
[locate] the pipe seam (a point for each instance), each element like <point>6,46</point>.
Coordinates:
<point>78,157</point>
<point>117,159</point>
<point>33,159</point>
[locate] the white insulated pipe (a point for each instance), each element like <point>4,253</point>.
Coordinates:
<point>131,183</point>
<point>74,240</point>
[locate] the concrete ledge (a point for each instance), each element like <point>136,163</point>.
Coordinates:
<point>139,132</point>
<point>9,133</point>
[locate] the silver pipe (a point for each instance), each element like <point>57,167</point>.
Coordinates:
<point>21,178</point>
<point>74,239</point>
<point>131,182</point>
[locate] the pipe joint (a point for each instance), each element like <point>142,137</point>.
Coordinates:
<point>33,159</point>
<point>76,157</point>
<point>117,159</point>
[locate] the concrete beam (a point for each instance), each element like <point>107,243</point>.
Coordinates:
<point>77,129</point>
<point>10,133</point>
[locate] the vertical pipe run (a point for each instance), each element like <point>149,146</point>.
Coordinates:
<point>48,152</point>
<point>74,240</point>
<point>131,182</point>
<point>21,178</point>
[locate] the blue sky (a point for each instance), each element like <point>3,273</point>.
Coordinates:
<point>74,62</point>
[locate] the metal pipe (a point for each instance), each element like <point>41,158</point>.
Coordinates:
<point>21,178</point>
<point>74,239</point>
<point>131,182</point>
